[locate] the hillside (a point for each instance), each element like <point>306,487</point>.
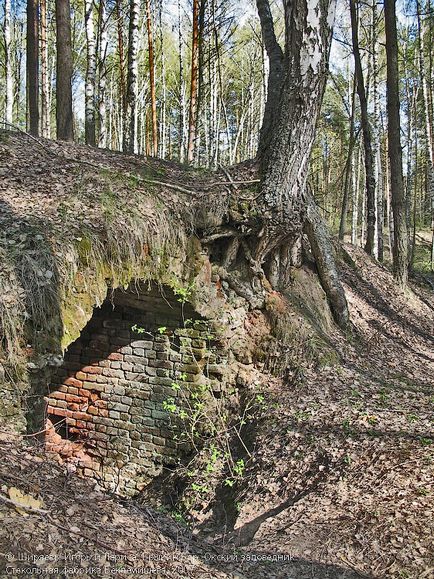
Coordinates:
<point>335,459</point>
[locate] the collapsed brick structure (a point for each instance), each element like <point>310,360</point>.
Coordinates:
<point>106,412</point>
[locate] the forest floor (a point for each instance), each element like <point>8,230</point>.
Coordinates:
<point>340,483</point>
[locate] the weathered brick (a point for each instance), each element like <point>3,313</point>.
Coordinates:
<point>73,382</point>
<point>92,370</point>
<point>147,345</point>
<point>126,350</point>
<point>112,373</point>
<point>115,356</point>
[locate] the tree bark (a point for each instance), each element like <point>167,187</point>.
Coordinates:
<point>367,134</point>
<point>152,79</point>
<point>275,76</point>
<point>285,203</point>
<point>89,90</point>
<point>45,112</point>
<point>102,73</point>
<point>64,118</point>
<point>9,95</point>
<point>400,245</point>
<point>32,67</point>
<point>192,122</point>
<point>130,129</point>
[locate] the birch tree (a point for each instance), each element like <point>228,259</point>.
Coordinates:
<point>9,97</point>
<point>89,90</point>
<point>286,202</point>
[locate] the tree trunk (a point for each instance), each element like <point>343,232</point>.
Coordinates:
<point>32,61</point>
<point>130,129</point>
<point>367,135</point>
<point>45,112</point>
<point>428,128</point>
<point>192,122</point>
<point>152,80</point>
<point>89,90</point>
<point>9,96</point>
<point>64,118</point>
<point>348,166</point>
<point>395,152</point>
<point>275,76</point>
<point>285,202</point>
<point>181,129</point>
<point>102,73</point>
<point>122,91</point>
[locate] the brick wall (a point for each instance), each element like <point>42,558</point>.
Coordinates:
<point>105,413</point>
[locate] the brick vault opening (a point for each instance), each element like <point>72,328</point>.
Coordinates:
<point>105,414</point>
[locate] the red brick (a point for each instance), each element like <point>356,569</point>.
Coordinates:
<point>115,356</point>
<point>73,398</point>
<point>103,412</point>
<point>82,416</point>
<point>80,424</point>
<point>92,410</point>
<point>73,407</point>
<point>101,403</point>
<point>84,393</point>
<point>92,370</point>
<point>58,395</point>
<point>74,382</point>
<point>58,411</point>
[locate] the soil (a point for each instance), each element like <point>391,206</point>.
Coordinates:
<point>340,481</point>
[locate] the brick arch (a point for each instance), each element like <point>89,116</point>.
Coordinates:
<point>104,412</point>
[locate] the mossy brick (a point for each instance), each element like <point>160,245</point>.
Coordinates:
<point>160,381</point>
<point>161,364</point>
<point>111,430</point>
<point>139,352</point>
<point>151,371</point>
<point>150,354</point>
<point>161,347</point>
<point>114,414</point>
<point>115,365</point>
<point>120,390</point>
<point>159,414</point>
<point>124,416</point>
<point>139,368</point>
<point>126,400</point>
<point>127,367</point>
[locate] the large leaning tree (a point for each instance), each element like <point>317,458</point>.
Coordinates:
<point>268,234</point>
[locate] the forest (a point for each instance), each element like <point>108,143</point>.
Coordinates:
<point>216,288</point>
